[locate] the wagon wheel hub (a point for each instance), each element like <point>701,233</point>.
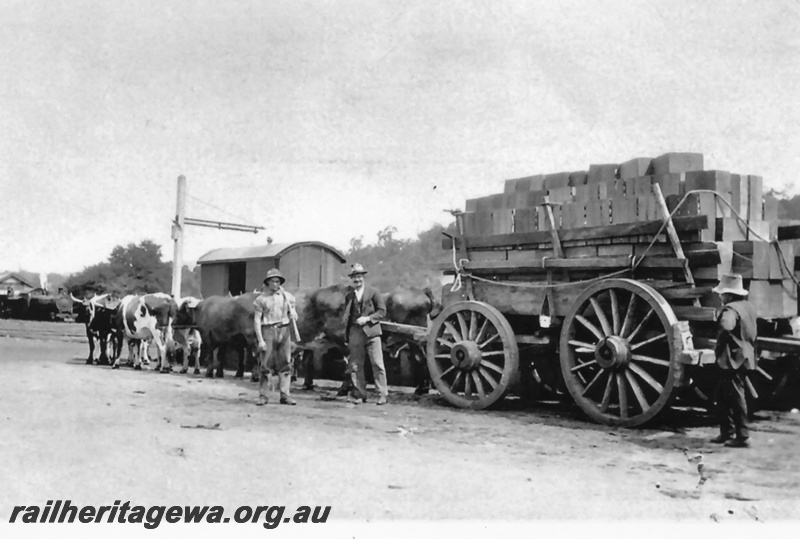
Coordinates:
<point>466,355</point>
<point>612,352</point>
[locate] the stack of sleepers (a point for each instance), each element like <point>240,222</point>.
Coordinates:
<point>593,211</point>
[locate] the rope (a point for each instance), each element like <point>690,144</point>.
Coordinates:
<point>545,285</point>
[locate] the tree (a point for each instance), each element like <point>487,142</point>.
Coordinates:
<point>356,244</point>
<point>392,262</point>
<point>788,207</point>
<point>133,269</point>
<point>385,236</point>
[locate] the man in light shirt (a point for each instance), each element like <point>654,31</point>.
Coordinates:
<point>274,312</point>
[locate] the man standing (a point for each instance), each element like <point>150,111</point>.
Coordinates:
<point>364,309</point>
<point>735,351</point>
<point>274,312</point>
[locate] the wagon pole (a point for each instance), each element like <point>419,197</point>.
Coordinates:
<point>672,234</point>
<point>559,253</point>
<point>462,249</point>
<point>177,233</point>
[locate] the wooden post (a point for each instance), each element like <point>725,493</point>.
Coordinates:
<point>559,252</point>
<point>673,237</point>
<point>671,232</point>
<point>462,252</point>
<point>177,236</point>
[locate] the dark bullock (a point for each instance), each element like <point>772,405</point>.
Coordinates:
<point>415,307</point>
<point>223,322</point>
<point>321,326</point>
<point>97,315</point>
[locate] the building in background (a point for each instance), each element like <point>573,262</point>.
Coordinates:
<point>14,283</point>
<point>235,270</point>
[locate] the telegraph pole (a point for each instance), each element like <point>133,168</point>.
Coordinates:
<point>177,236</point>
<point>177,233</point>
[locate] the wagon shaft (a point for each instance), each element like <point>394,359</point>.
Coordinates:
<point>413,333</point>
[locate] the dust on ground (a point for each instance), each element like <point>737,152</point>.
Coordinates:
<point>94,435</point>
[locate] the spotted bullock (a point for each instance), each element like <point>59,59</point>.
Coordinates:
<point>144,317</point>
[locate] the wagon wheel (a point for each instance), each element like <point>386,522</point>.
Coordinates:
<point>472,355</point>
<point>617,351</point>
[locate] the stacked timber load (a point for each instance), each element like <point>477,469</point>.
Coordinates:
<point>611,211</point>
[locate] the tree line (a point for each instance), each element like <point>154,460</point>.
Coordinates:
<point>132,269</point>
<point>139,269</point>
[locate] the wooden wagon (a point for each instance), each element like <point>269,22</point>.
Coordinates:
<point>601,284</point>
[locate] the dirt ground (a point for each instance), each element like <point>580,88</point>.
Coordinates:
<point>93,435</point>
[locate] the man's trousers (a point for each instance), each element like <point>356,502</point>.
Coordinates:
<point>731,404</point>
<point>277,359</point>
<point>360,347</point>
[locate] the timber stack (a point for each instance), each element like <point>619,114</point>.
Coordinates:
<point>612,216</point>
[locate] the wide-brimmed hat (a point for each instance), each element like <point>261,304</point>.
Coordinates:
<point>730,284</point>
<point>274,272</point>
<point>357,269</point>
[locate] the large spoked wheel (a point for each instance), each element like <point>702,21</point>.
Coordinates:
<point>472,355</point>
<point>616,352</point>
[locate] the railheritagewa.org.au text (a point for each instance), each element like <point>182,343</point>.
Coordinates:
<point>63,511</point>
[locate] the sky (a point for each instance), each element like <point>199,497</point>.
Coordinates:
<point>330,120</point>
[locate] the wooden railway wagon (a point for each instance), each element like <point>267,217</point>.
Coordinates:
<point>601,282</point>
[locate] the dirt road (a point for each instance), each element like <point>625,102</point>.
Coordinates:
<point>93,435</point>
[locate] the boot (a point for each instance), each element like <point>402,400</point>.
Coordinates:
<point>738,442</point>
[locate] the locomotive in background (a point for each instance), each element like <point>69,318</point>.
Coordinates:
<point>37,304</point>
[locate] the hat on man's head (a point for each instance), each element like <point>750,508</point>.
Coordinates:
<point>730,284</point>
<point>274,272</point>
<point>357,269</point>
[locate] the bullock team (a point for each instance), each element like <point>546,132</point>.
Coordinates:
<point>202,330</point>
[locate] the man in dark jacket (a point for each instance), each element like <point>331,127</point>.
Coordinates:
<point>736,354</point>
<point>363,311</point>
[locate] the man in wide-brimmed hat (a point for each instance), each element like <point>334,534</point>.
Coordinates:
<point>736,354</point>
<point>364,309</point>
<point>274,311</point>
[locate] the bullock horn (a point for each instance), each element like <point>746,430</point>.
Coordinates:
<point>75,299</point>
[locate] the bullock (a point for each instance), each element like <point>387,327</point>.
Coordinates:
<point>321,327</point>
<point>186,337</point>
<point>222,322</point>
<point>97,315</point>
<point>415,307</point>
<point>144,317</point>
